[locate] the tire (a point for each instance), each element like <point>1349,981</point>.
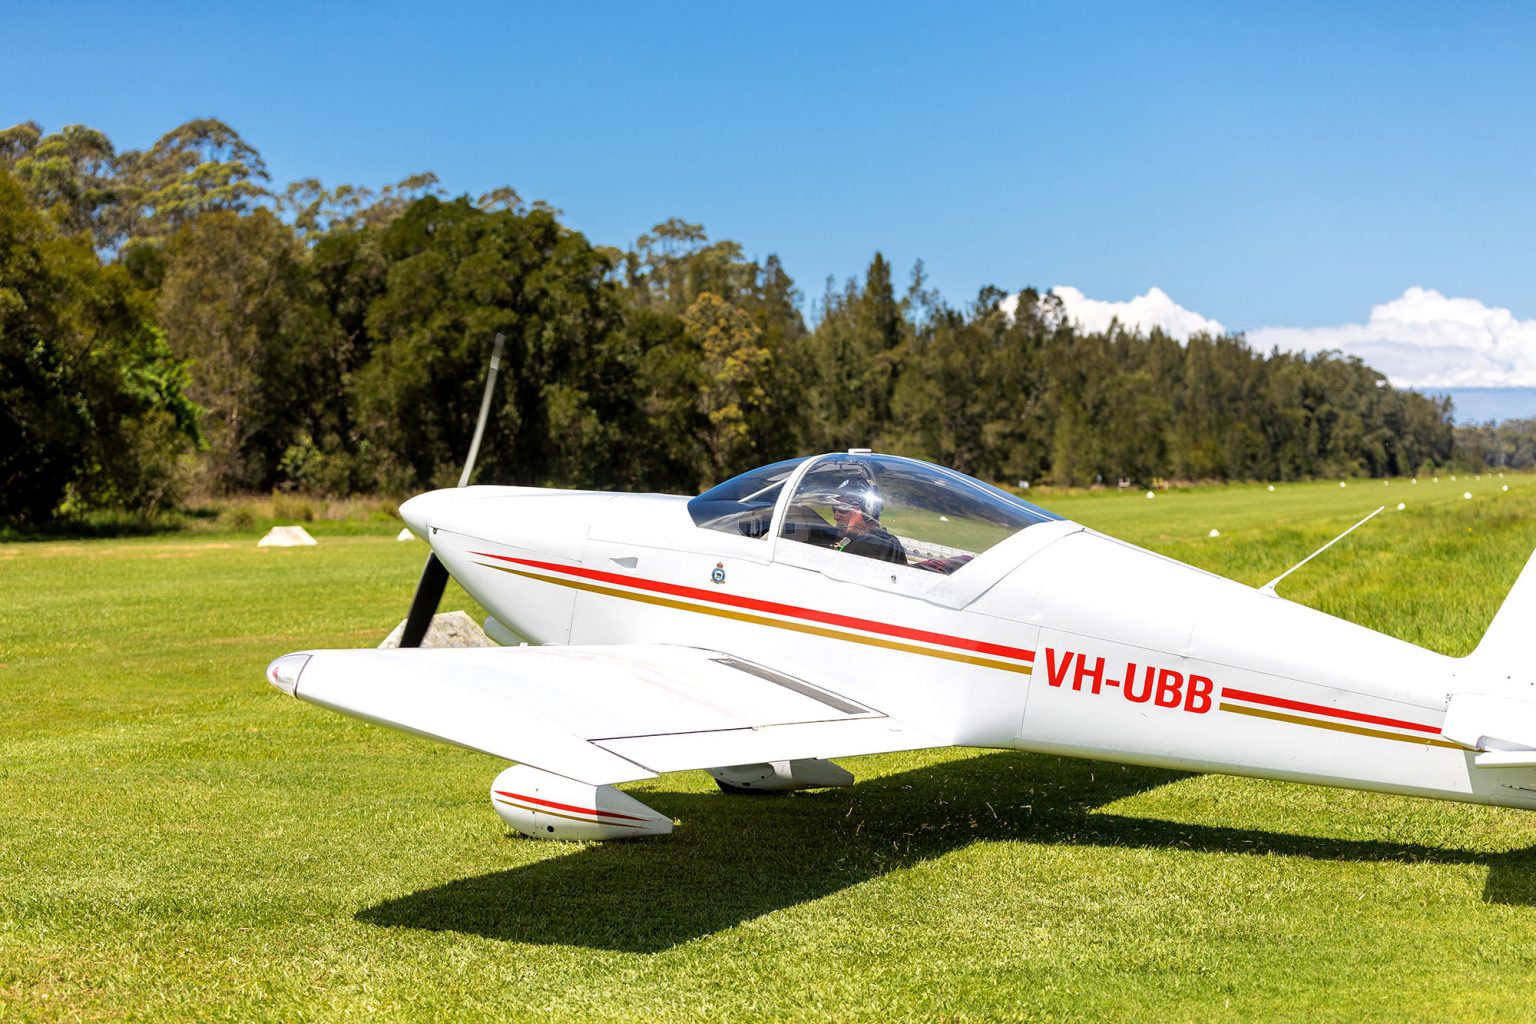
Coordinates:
<point>730,790</point>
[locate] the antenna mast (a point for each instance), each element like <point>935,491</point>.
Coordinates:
<point>1269,588</point>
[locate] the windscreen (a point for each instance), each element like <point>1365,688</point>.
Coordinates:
<point>903,511</point>
<point>743,504</point>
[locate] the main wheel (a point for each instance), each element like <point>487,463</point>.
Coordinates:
<point>730,790</point>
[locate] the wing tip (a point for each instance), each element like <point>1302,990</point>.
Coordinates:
<point>284,672</point>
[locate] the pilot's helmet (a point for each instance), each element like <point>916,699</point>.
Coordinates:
<point>859,493</point>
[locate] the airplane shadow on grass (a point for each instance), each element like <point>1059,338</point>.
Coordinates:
<point>735,859</point>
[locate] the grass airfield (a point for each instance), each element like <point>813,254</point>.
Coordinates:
<point>178,841</point>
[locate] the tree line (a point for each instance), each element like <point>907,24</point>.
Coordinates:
<point>170,323</point>
<point>1507,445</point>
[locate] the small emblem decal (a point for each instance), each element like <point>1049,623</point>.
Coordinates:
<point>718,575</point>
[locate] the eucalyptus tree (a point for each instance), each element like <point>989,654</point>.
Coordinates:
<point>202,166</point>
<point>315,211</point>
<point>70,174</point>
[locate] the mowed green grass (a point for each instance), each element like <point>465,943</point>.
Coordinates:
<point>178,841</point>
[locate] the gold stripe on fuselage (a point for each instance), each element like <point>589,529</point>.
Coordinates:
<point>1338,726</point>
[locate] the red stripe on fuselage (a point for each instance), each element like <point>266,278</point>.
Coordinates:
<point>1318,709</point>
<point>907,633</point>
<point>774,608</point>
<point>567,807</point>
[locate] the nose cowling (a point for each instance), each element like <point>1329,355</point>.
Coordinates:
<point>420,511</point>
<point>471,510</point>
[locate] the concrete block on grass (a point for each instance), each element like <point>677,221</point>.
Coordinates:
<point>448,629</point>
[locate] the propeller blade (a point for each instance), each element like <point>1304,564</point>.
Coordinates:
<point>434,575</point>
<point>434,579</point>
<point>485,408</point>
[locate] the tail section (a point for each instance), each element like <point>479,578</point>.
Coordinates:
<point>1493,710</point>
<point>1504,657</point>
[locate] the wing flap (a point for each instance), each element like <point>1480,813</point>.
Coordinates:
<point>723,748</point>
<point>599,715</point>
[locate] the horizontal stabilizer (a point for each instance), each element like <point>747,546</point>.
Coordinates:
<point>1505,759</point>
<point>1502,728</point>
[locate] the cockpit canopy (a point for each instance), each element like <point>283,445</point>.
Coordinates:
<point>879,506</point>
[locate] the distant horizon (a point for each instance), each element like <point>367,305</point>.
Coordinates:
<point>1487,404</point>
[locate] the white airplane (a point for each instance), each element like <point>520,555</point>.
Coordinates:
<point>857,603</point>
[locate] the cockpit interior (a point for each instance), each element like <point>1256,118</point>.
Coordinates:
<point>884,507</point>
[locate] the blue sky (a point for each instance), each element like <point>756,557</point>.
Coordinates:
<point>1289,166</point>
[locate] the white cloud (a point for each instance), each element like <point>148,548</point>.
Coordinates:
<point>1143,313</point>
<point>1421,339</point>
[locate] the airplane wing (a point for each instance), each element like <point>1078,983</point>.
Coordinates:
<point>599,715</point>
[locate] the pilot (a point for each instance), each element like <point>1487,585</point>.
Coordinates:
<point>856,511</point>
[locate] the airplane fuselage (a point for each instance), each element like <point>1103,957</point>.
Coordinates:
<point>1058,639</point>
